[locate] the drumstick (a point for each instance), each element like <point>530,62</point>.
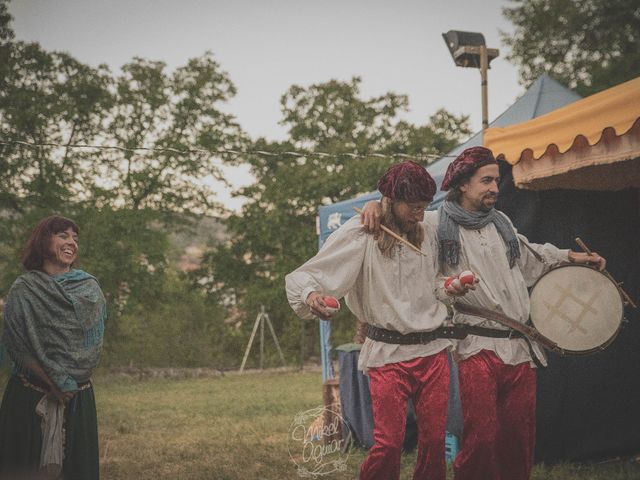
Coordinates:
<point>627,298</point>
<point>396,236</point>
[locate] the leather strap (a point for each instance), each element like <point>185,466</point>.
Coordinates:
<point>457,332</point>
<point>534,253</point>
<point>413,338</point>
<point>527,331</point>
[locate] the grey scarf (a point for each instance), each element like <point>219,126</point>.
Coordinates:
<point>451,216</point>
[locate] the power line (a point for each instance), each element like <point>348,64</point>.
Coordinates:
<point>230,151</point>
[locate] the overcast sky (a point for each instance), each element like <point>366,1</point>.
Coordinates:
<point>268,45</point>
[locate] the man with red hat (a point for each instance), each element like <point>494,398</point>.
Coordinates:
<point>496,369</point>
<point>392,288</point>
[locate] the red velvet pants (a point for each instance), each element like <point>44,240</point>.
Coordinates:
<point>499,411</point>
<point>426,381</point>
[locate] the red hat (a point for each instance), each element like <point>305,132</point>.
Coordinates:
<point>407,182</point>
<point>467,162</point>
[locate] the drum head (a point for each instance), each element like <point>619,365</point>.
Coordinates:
<point>577,307</point>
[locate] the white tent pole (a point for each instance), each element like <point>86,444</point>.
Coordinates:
<point>253,334</point>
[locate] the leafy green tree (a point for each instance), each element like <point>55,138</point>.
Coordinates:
<point>49,99</point>
<point>589,45</point>
<point>173,114</point>
<point>177,113</point>
<point>180,329</point>
<point>126,250</point>
<point>6,38</point>
<point>276,230</point>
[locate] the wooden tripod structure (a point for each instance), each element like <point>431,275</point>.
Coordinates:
<point>260,321</point>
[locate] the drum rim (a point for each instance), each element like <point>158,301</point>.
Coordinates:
<point>605,344</point>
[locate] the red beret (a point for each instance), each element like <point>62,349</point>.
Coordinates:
<point>467,162</point>
<point>407,182</point>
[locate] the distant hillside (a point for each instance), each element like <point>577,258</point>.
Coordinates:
<point>189,244</point>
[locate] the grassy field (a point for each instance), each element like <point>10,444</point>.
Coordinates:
<point>233,427</point>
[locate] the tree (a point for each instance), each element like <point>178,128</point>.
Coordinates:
<point>275,232</point>
<point>52,100</point>
<point>6,36</point>
<point>589,45</point>
<point>173,112</point>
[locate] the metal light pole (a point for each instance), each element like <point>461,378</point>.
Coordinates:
<point>469,49</point>
<point>484,66</point>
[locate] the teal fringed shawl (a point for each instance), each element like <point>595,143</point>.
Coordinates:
<point>57,321</point>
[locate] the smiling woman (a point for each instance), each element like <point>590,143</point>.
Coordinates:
<point>54,323</point>
<point>52,246</point>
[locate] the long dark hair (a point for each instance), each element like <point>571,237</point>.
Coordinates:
<point>36,250</point>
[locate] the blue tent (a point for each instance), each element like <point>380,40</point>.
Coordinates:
<point>543,96</point>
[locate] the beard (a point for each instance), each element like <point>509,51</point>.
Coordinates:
<point>487,202</point>
<point>406,227</point>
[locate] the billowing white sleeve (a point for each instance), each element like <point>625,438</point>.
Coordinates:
<point>332,271</point>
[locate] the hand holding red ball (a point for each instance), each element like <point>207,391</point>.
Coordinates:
<point>332,304</point>
<point>323,306</point>
<point>460,284</point>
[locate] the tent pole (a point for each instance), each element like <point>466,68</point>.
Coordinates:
<point>261,316</point>
<point>275,339</point>
<point>302,333</point>
<point>253,334</point>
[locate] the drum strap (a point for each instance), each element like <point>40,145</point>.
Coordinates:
<point>528,332</point>
<point>534,253</point>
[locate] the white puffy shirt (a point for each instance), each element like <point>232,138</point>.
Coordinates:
<point>501,288</point>
<point>395,293</point>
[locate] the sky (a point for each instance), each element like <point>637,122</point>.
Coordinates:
<point>268,45</point>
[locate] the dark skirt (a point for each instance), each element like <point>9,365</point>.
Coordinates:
<point>21,435</point>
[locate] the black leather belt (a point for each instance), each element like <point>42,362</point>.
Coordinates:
<point>457,332</point>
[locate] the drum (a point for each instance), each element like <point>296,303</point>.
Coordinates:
<point>578,308</point>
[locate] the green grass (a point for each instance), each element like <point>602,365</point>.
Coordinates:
<point>234,427</point>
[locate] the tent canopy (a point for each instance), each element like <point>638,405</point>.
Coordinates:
<point>592,144</point>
